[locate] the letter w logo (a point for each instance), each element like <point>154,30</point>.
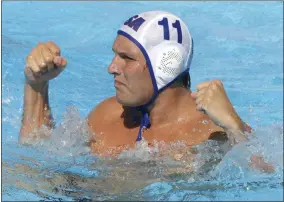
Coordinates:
<point>134,22</point>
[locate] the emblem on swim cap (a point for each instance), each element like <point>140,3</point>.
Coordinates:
<point>165,42</point>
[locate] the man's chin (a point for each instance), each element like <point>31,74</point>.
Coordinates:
<point>125,102</point>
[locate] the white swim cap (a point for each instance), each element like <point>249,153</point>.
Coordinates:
<point>165,42</point>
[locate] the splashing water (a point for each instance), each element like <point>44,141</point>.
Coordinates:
<point>246,54</point>
<point>70,137</point>
<point>67,169</point>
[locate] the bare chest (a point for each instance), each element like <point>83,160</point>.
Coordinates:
<point>117,136</point>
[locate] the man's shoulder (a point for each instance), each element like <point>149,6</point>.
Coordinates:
<point>105,111</point>
<point>200,123</point>
<point>214,132</point>
<point>108,103</point>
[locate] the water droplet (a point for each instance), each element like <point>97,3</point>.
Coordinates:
<point>204,121</point>
<point>250,108</point>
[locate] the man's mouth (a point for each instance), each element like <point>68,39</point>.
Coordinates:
<point>118,83</point>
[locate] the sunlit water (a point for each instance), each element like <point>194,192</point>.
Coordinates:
<point>240,43</point>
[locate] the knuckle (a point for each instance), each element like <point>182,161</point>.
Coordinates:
<point>218,82</point>
<point>42,64</point>
<point>54,47</point>
<point>35,69</point>
<point>57,51</point>
<point>40,44</point>
<point>50,42</point>
<point>48,58</point>
<point>213,86</point>
<point>29,57</point>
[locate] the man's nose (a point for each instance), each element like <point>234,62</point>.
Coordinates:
<point>115,66</point>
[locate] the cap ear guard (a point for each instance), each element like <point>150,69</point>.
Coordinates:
<point>168,60</point>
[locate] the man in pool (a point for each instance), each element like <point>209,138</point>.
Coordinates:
<point>153,52</point>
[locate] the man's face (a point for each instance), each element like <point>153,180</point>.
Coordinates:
<point>131,75</point>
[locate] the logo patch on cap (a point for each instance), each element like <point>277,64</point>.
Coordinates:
<point>135,22</point>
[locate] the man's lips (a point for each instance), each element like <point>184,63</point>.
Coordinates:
<point>118,83</point>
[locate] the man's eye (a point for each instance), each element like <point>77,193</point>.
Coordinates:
<point>126,57</point>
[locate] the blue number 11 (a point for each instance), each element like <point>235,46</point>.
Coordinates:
<point>176,25</point>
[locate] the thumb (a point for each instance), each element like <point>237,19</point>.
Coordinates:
<point>60,61</point>
<point>193,95</point>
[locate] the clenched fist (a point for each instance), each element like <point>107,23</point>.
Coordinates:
<point>211,99</point>
<point>44,63</point>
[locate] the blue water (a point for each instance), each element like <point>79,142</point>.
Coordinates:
<point>240,43</point>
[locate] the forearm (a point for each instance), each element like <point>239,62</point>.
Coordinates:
<point>238,131</point>
<point>36,109</point>
<point>256,160</point>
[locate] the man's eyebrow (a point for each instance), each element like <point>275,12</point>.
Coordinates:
<point>115,51</point>
<point>124,53</point>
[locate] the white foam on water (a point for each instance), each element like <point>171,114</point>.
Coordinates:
<point>70,137</point>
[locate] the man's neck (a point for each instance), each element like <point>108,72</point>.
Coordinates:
<point>166,105</point>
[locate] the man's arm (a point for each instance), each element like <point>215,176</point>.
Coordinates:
<point>211,99</point>
<point>36,111</point>
<point>43,64</point>
<point>238,132</point>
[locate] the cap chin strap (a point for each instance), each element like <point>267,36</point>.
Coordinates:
<point>145,122</point>
<point>145,119</point>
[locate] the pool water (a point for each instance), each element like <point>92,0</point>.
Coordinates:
<point>240,43</point>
